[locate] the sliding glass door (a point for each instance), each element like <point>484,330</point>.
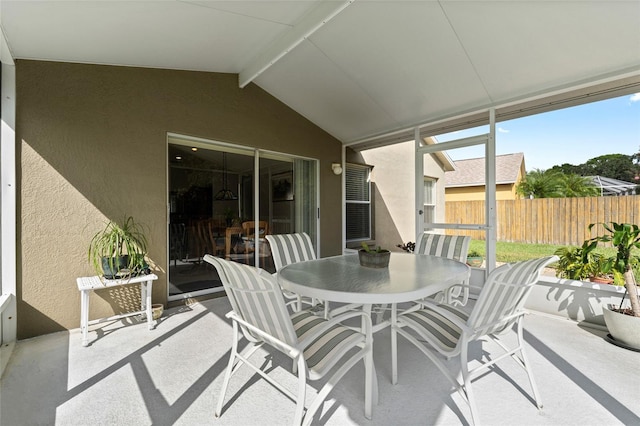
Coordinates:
<point>221,197</point>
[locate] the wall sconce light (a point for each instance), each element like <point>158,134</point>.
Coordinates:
<point>337,168</point>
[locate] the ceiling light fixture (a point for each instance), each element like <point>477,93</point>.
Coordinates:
<point>225,193</point>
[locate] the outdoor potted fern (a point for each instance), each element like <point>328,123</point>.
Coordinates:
<point>119,250</point>
<point>622,322</point>
<point>378,258</point>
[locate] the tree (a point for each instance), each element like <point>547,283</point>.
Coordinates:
<point>540,184</point>
<point>572,185</point>
<point>553,184</point>
<point>615,166</point>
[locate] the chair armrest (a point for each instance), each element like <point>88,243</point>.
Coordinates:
<point>268,338</point>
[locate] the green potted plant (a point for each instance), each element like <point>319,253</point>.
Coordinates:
<point>622,322</point>
<point>582,264</point>
<point>475,259</point>
<point>119,250</point>
<point>378,258</point>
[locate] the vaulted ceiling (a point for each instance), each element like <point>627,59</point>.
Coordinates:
<point>365,71</point>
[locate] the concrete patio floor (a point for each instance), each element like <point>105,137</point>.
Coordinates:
<point>172,375</point>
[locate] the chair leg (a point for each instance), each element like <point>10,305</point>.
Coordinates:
<point>302,391</point>
<point>230,368</point>
<point>394,344</point>
<point>527,367</point>
<point>464,364</point>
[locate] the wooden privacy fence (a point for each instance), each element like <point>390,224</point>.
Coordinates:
<point>561,221</point>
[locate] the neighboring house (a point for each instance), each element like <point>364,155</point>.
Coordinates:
<point>466,182</point>
<point>393,191</point>
<point>610,186</point>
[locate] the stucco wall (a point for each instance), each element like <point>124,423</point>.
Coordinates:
<point>92,147</point>
<point>393,177</point>
<point>476,193</point>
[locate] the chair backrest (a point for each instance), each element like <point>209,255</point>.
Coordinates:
<point>255,297</point>
<point>228,238</point>
<point>249,228</point>
<point>504,293</point>
<point>453,247</point>
<point>290,248</point>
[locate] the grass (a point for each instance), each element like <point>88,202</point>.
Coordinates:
<point>515,252</point>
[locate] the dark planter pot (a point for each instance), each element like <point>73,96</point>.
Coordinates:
<point>119,263</point>
<point>374,260</point>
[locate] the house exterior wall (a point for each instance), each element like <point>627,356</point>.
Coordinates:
<point>475,193</point>
<point>92,143</point>
<point>394,191</point>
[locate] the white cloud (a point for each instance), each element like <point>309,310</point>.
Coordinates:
<point>635,97</point>
<point>501,130</point>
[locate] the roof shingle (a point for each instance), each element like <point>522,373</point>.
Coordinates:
<point>470,172</point>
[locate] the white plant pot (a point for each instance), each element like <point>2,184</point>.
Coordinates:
<point>624,329</point>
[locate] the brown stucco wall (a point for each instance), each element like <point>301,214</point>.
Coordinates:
<point>92,147</point>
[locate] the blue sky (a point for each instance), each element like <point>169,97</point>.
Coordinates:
<point>571,135</point>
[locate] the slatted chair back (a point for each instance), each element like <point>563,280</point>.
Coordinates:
<point>255,297</point>
<point>290,248</point>
<point>453,247</point>
<point>502,298</point>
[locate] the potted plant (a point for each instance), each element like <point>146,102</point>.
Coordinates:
<point>378,258</point>
<point>582,264</point>
<point>119,250</point>
<point>622,322</point>
<point>475,259</point>
<point>409,247</point>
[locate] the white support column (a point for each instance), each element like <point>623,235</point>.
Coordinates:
<point>256,206</point>
<point>343,183</point>
<point>490,193</point>
<point>8,265</point>
<point>419,185</point>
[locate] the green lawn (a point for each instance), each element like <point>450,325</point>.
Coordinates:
<point>513,252</point>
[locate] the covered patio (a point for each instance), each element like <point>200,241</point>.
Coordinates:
<point>92,89</point>
<point>172,375</point>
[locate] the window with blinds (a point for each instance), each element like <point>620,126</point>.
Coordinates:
<point>358,202</point>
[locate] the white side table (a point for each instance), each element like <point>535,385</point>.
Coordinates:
<point>88,284</point>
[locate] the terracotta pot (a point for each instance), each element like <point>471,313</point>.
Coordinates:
<point>601,280</point>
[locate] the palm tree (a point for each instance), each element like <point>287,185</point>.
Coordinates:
<point>572,185</point>
<point>540,184</point>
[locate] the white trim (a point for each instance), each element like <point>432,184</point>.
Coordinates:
<point>309,24</point>
<point>418,182</point>
<point>8,214</point>
<point>212,144</point>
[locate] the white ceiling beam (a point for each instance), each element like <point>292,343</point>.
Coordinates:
<point>309,24</point>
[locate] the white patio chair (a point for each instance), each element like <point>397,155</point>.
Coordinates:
<point>293,248</point>
<point>453,247</point>
<point>316,345</point>
<point>443,331</point>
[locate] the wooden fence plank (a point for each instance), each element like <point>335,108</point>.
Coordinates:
<point>546,220</point>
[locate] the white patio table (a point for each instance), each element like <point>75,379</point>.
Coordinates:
<point>341,279</point>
